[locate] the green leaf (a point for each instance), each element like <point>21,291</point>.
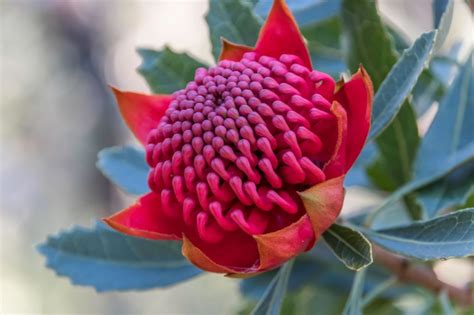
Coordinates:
<point>399,83</point>
<point>350,246</point>
<point>444,237</point>
<point>125,167</point>
<point>272,299</point>
<point>234,20</point>
<point>111,261</point>
<point>353,304</point>
<point>167,71</point>
<point>369,44</point>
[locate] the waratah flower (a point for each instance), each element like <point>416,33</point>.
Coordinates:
<point>247,162</point>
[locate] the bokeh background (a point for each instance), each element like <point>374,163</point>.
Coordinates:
<point>56,113</point>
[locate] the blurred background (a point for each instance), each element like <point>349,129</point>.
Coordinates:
<point>56,113</point>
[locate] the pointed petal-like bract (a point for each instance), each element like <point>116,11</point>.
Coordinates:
<point>272,249</point>
<point>200,259</point>
<point>236,253</point>
<point>141,112</point>
<point>277,247</point>
<point>232,51</point>
<point>145,219</point>
<point>336,166</point>
<point>356,97</point>
<point>323,203</point>
<point>280,35</point>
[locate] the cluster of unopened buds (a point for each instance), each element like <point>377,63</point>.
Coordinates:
<point>247,161</point>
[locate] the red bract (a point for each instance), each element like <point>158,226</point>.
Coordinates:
<point>248,161</point>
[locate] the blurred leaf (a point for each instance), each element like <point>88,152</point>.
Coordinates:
<point>444,237</point>
<point>272,299</point>
<point>321,301</point>
<point>428,89</point>
<point>451,191</point>
<point>445,304</point>
<point>125,167</point>
<point>400,41</point>
<point>377,173</point>
<point>469,202</point>
<point>323,41</point>
<point>111,261</point>
<point>307,301</point>
<point>324,36</point>
<point>382,306</point>
<point>439,6</point>
<point>319,267</point>
<point>444,22</point>
<point>234,20</point>
<point>394,215</point>
<point>350,246</point>
<point>323,269</point>
<point>451,163</point>
<point>465,311</point>
<point>450,133</point>
<point>357,174</point>
<point>397,146</point>
<point>373,295</point>
<point>353,304</point>
<point>167,71</point>
<point>368,43</point>
<point>445,67</point>
<point>331,65</point>
<point>306,12</point>
<point>366,40</point>
<point>399,83</point>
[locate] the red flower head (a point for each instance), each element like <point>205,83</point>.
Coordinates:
<point>248,161</point>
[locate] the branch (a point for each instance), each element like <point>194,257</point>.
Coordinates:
<point>408,272</point>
